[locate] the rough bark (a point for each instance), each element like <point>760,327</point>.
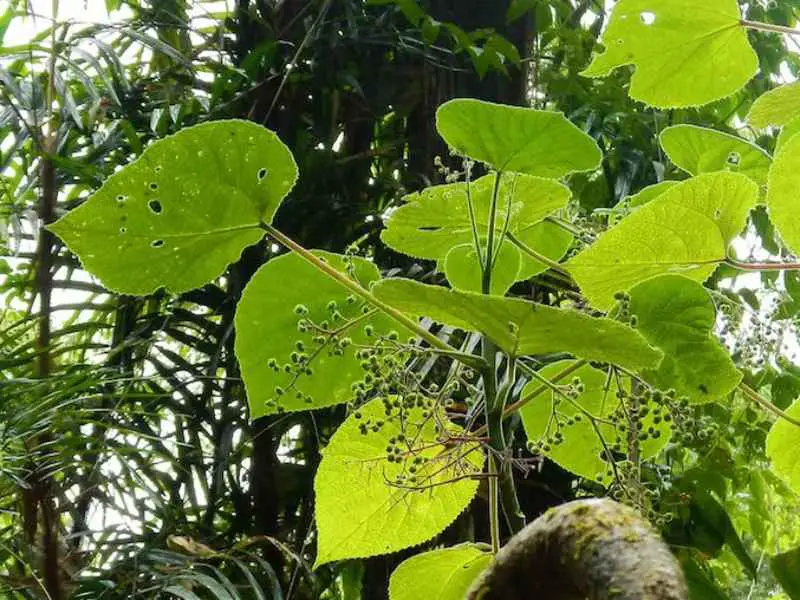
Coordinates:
<point>594,549</point>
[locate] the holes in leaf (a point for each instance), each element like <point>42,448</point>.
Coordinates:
<point>157,169</point>
<point>428,228</point>
<point>121,198</point>
<point>153,186</point>
<point>734,158</point>
<point>262,172</point>
<point>648,18</point>
<point>155,207</point>
<point>123,230</point>
<point>156,243</point>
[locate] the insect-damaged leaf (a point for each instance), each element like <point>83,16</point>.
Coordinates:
<point>184,210</point>
<point>686,53</point>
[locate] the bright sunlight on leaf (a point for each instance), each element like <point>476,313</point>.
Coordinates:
<point>184,210</point>
<point>368,504</point>
<point>783,448</point>
<point>685,53</point>
<point>511,138</point>
<point>436,219</point>
<point>520,327</point>
<point>776,108</point>
<point>700,150</point>
<point>444,574</point>
<point>651,192</point>
<point>296,333</point>
<point>784,182</point>
<point>685,230</point>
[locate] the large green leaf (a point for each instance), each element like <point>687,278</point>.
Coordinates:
<point>361,508</point>
<point>444,574</point>
<point>776,107</point>
<point>512,138</point>
<point>436,220</point>
<point>784,181</point>
<point>520,327</point>
<point>184,210</point>
<point>268,341</point>
<point>786,568</point>
<point>783,448</point>
<point>700,150</point>
<point>583,450</point>
<point>677,316</point>
<point>686,53</point>
<point>685,230</point>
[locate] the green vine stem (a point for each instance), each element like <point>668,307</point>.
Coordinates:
<point>766,404</point>
<point>536,255</point>
<point>502,490</point>
<point>762,266</point>
<point>769,27</point>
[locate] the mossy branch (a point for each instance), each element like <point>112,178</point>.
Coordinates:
<point>594,549</point>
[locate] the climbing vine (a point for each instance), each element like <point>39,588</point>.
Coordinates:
<point>605,374</point>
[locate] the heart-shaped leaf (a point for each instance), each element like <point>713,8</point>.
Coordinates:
<point>512,138</point>
<point>783,448</point>
<point>444,574</point>
<point>784,179</point>
<point>368,504</point>
<point>685,230</point>
<point>289,365</point>
<point>777,107</point>
<point>700,150</point>
<point>436,220</point>
<point>184,210</point>
<point>685,53</point>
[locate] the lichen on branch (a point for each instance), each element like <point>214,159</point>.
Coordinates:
<point>593,549</point>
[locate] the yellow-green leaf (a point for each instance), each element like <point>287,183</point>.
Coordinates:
<point>700,150</point>
<point>783,448</point>
<point>285,369</point>
<point>651,192</point>
<point>582,451</point>
<point>444,574</point>
<point>363,509</point>
<point>184,210</point>
<point>513,138</point>
<point>686,230</point>
<point>677,315</point>
<point>784,182</point>
<point>686,53</point>
<point>436,220</point>
<point>776,107</point>
<point>463,269</point>
<point>520,327</point>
